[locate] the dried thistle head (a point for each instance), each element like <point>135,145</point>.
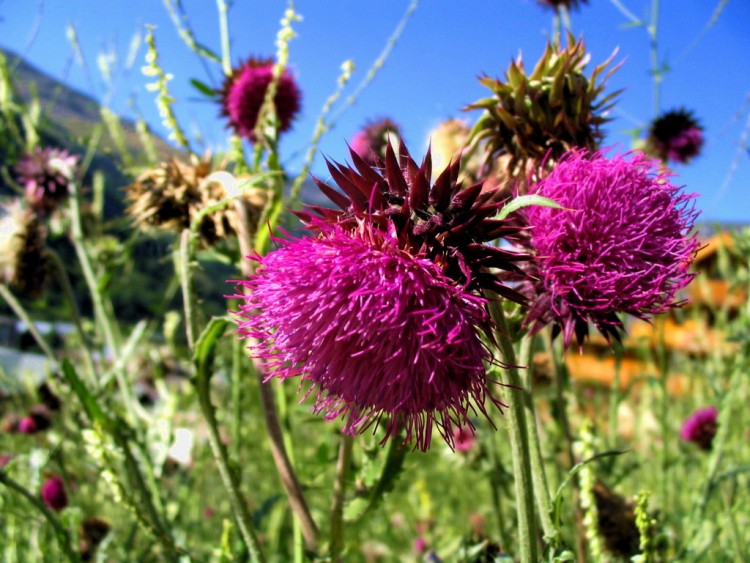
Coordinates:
<point>171,196</point>
<point>23,263</point>
<point>537,117</point>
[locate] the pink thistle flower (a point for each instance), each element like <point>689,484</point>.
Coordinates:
<point>27,425</point>
<point>5,459</point>
<point>244,91</point>
<point>383,335</point>
<point>700,427</point>
<point>464,439</point>
<point>621,244</point>
<point>371,141</point>
<point>46,175</point>
<point>53,493</point>
<point>675,136</point>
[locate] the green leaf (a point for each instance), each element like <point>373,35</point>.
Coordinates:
<point>525,201</point>
<point>203,88</point>
<point>557,500</point>
<point>93,410</point>
<point>205,348</point>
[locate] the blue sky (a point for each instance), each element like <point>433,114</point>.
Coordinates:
<point>431,74</point>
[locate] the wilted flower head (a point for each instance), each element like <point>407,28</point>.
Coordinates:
<point>382,334</point>
<point>531,118</point>
<point>244,91</point>
<point>616,521</point>
<point>621,244</point>
<point>46,175</point>
<point>700,427</point>
<point>371,141</point>
<point>442,220</point>
<point>22,249</point>
<point>675,136</point>
<point>171,195</point>
<point>53,493</point>
<point>93,531</point>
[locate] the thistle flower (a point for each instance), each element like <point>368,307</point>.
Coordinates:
<point>700,427</point>
<point>464,439</point>
<point>621,244</point>
<point>675,136</point>
<point>443,221</point>
<point>558,4</point>
<point>27,425</point>
<point>53,493</point>
<point>46,175</point>
<point>382,334</point>
<point>537,117</point>
<point>371,141</point>
<point>171,195</point>
<point>244,91</point>
<point>23,263</point>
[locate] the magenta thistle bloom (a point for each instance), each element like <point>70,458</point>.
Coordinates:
<point>464,439</point>
<point>53,493</point>
<point>27,425</point>
<point>621,244</point>
<point>46,175</point>
<point>383,335</point>
<point>244,91</point>
<point>700,427</point>
<point>675,136</point>
<point>442,220</point>
<point>371,141</point>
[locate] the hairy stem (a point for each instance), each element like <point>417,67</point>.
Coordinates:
<point>339,494</point>
<point>519,439</point>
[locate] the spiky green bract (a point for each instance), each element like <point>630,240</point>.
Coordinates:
<point>383,336</point>
<point>444,221</point>
<point>541,115</point>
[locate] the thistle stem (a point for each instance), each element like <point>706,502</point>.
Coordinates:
<point>68,291</point>
<point>229,479</point>
<point>519,439</point>
<point>63,538</point>
<point>541,488</point>
<point>21,313</point>
<point>339,494</point>
<point>270,412</point>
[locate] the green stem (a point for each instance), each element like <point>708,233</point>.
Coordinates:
<point>229,479</point>
<point>519,439</point>
<point>274,430</point>
<point>541,488</point>
<point>339,495</point>
<point>653,33</point>
<point>615,396</point>
<point>495,486</point>
<point>562,380</point>
<point>21,313</point>
<point>89,274</point>
<point>61,533</point>
<point>188,295</point>
<point>69,293</point>
<point>226,61</point>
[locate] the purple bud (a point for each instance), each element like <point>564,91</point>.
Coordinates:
<point>53,493</point>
